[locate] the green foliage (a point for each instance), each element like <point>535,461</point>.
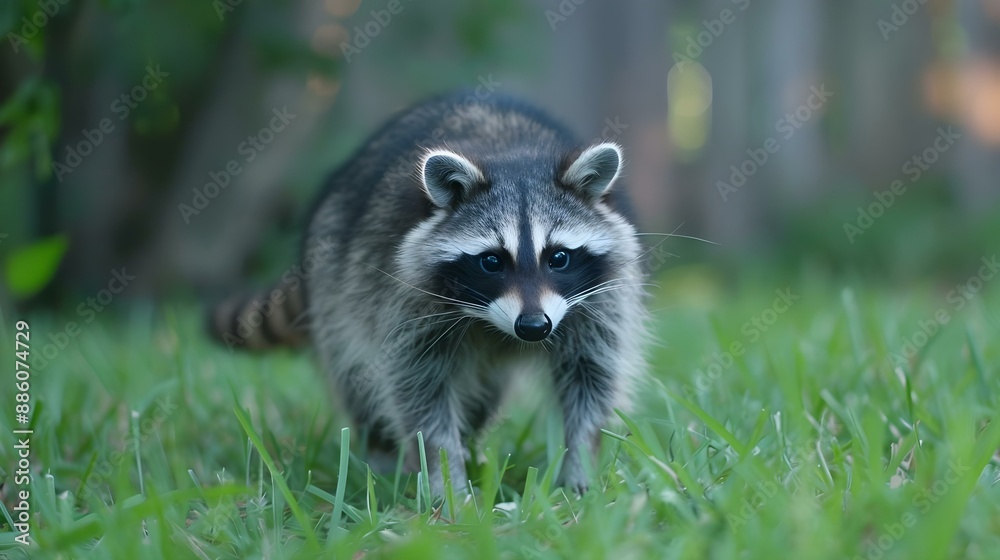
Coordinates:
<point>31,117</point>
<point>30,268</point>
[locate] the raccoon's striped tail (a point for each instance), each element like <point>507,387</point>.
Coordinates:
<point>262,320</point>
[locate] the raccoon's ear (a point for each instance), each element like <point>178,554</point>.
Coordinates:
<point>594,171</point>
<point>448,178</point>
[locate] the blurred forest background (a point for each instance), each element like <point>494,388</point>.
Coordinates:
<point>846,136</point>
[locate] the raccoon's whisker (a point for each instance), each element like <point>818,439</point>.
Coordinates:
<point>590,293</point>
<point>617,282</point>
<point>439,321</point>
<point>483,299</point>
<point>548,343</point>
<point>404,323</point>
<point>461,336</point>
<point>584,282</point>
<point>580,298</point>
<point>682,237</point>
<point>432,294</point>
<point>626,282</point>
<point>587,309</point>
<point>431,324</point>
<point>593,315</point>
<point>592,289</point>
<point>600,284</point>
<point>438,339</point>
<point>643,254</point>
<point>455,347</point>
<point>665,237</point>
<point>600,290</point>
<point>491,329</point>
<point>663,252</point>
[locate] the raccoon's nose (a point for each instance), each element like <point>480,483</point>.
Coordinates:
<point>532,327</point>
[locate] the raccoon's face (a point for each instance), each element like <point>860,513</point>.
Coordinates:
<point>519,241</point>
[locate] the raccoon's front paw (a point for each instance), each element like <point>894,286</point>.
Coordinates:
<point>382,461</point>
<point>575,479</point>
<point>456,473</point>
<point>579,488</point>
<point>459,485</point>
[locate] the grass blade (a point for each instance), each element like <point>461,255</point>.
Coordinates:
<point>338,502</point>
<point>279,480</point>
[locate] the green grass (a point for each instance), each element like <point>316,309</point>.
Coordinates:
<point>151,442</point>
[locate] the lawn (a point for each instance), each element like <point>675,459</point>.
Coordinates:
<point>784,417</point>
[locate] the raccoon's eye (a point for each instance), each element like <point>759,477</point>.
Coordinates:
<point>490,263</point>
<point>559,260</point>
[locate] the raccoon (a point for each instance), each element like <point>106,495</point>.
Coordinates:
<point>463,239</point>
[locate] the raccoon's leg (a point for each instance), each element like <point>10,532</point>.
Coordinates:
<point>426,403</point>
<point>584,388</point>
<point>437,421</point>
<point>482,385</point>
<point>589,370</point>
<point>481,409</point>
<point>357,390</point>
<point>381,451</point>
